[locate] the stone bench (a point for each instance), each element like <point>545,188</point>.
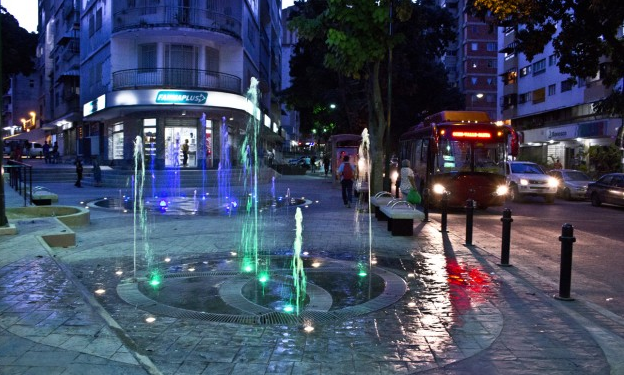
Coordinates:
<point>42,196</point>
<point>401,217</point>
<point>382,198</point>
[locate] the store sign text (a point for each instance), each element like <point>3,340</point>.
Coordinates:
<point>181,97</point>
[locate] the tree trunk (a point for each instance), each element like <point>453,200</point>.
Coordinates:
<point>376,129</point>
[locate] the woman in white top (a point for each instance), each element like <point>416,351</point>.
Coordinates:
<point>407,178</point>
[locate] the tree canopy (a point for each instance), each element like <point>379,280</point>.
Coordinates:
<point>18,48</point>
<point>343,52</point>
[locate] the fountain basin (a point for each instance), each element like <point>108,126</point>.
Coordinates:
<point>71,216</point>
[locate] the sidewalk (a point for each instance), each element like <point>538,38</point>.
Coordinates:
<point>437,307</point>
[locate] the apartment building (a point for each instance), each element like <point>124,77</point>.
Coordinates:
<point>471,62</point>
<point>552,112</point>
<point>166,71</point>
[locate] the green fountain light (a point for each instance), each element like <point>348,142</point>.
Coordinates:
<point>289,308</point>
<point>263,278</point>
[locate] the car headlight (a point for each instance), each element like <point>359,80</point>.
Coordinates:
<point>438,189</point>
<point>502,190</point>
<point>524,182</point>
<point>553,182</point>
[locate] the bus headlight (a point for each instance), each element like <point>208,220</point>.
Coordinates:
<point>552,182</point>
<point>524,182</point>
<point>438,189</point>
<point>502,190</point>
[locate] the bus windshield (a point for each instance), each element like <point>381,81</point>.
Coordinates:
<point>462,156</point>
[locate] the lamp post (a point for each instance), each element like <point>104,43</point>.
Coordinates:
<point>33,117</point>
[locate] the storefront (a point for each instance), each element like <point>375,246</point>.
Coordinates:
<point>568,143</point>
<point>164,120</point>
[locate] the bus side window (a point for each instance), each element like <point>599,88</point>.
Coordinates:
<point>424,150</point>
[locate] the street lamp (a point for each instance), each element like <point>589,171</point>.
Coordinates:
<point>33,116</point>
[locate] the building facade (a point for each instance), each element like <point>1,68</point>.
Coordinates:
<point>553,112</point>
<point>165,71</point>
<point>471,62</point>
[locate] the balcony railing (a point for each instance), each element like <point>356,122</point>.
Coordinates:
<point>176,78</point>
<point>168,16</point>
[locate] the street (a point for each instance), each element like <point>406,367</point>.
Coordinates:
<point>598,254</point>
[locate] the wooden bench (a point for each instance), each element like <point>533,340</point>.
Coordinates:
<point>381,199</point>
<point>401,217</point>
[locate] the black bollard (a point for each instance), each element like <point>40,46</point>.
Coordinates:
<point>507,220</point>
<point>444,209</point>
<point>425,204</point>
<point>470,206</point>
<point>565,277</point>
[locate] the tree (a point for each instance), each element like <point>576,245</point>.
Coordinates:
<point>586,42</point>
<point>356,42</point>
<point>17,48</point>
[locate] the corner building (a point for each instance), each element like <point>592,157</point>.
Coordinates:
<point>168,71</point>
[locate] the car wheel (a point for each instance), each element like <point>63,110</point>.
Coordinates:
<point>549,198</point>
<point>566,194</point>
<point>515,194</point>
<point>595,200</point>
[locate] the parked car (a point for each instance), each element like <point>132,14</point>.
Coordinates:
<point>572,183</point>
<point>607,189</point>
<point>34,149</point>
<point>529,179</point>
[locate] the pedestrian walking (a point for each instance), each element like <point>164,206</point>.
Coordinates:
<point>326,162</point>
<point>78,173</point>
<point>55,153</point>
<point>346,173</point>
<point>408,180</point>
<point>46,152</point>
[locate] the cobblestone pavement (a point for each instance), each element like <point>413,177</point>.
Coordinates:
<point>428,305</point>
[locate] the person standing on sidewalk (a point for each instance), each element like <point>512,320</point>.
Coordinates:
<point>46,152</point>
<point>346,171</point>
<point>185,151</point>
<point>78,173</point>
<point>326,164</point>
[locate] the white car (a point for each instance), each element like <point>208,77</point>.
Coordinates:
<point>529,179</point>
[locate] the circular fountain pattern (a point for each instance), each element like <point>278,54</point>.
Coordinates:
<point>188,205</point>
<point>216,291</point>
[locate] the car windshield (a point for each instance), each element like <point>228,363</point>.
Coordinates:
<point>526,168</point>
<point>576,176</point>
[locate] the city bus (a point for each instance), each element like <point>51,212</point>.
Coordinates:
<point>460,155</point>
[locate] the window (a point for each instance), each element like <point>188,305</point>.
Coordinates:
<point>539,67</point>
<point>474,81</point>
<point>98,19</point>
<point>474,46</point>
<point>510,77</point>
<point>91,25</point>
<point>491,47</point>
<point>490,81</point>
<point>539,95</point>
<point>523,98</point>
<point>147,57</point>
<point>552,60</point>
<point>212,59</point>
<point>525,71</point>
<point>567,85</point>
<point>552,90</point>
<point>491,64</point>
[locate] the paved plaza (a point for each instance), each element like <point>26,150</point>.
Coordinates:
<point>428,303</point>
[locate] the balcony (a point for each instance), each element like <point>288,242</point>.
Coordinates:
<point>170,16</point>
<point>176,79</point>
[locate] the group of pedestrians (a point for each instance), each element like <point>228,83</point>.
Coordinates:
<point>51,156</point>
